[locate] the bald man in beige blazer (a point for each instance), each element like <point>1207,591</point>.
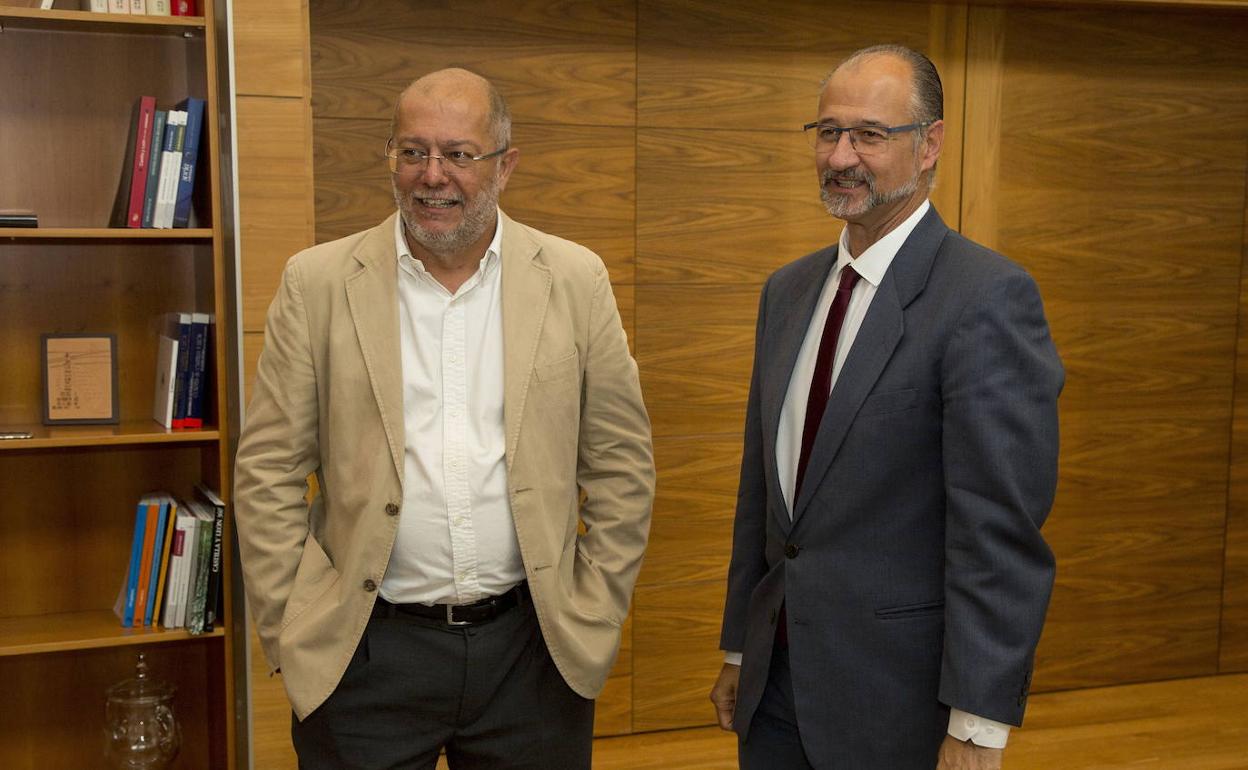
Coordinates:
<point>460,580</point>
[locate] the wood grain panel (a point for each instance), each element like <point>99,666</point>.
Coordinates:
<point>270,48</point>
<point>691,531</point>
<point>725,206</point>
<point>695,349</point>
<point>676,653</point>
<point>1121,188</point>
<point>1233,654</point>
<point>572,181</point>
<point>703,64</point>
<point>556,61</point>
<point>276,193</point>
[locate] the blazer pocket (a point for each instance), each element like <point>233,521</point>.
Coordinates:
<point>313,579</point>
<point>561,369</point>
<point>889,401</point>
<point>907,611</point>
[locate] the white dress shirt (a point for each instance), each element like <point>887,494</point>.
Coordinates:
<point>456,541</point>
<point>871,265</point>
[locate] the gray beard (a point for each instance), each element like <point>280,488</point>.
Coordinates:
<point>840,207</point>
<point>478,215</point>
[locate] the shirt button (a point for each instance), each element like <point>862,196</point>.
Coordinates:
<point>970,722</point>
<point>990,729</point>
<point>392,509</point>
<point>369,585</point>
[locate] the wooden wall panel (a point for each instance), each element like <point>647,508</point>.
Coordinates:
<point>676,653</point>
<point>270,48</point>
<point>558,61</point>
<point>274,180</point>
<point>1121,188</point>
<point>1233,655</point>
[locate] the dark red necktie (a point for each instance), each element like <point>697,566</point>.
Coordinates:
<point>821,383</point>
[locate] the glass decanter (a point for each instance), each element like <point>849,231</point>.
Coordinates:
<point>140,730</point>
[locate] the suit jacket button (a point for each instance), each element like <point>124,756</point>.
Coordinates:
<point>791,550</point>
<point>370,585</point>
<point>392,509</point>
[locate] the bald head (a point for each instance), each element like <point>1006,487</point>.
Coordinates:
<point>927,95</point>
<point>469,91</point>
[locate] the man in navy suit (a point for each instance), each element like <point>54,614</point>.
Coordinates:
<point>888,580</point>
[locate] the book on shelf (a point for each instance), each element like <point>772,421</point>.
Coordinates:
<point>170,167</point>
<point>95,6</point>
<point>197,583</point>
<point>166,380</point>
<point>145,568</point>
<point>158,548</point>
<point>18,218</point>
<point>153,166</point>
<point>134,166</point>
<point>213,598</point>
<point>165,556</point>
<point>180,555</point>
<point>158,8</point>
<point>138,6</point>
<point>124,608</point>
<point>119,6</point>
<point>183,7</point>
<point>180,324</point>
<point>194,109</point>
<point>197,366</point>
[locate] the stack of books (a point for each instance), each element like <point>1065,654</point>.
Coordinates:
<point>181,370</point>
<point>149,7</point>
<point>174,573</point>
<point>158,175</point>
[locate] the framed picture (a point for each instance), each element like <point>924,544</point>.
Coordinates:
<point>80,379</point>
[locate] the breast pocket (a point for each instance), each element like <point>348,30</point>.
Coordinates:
<point>889,402</point>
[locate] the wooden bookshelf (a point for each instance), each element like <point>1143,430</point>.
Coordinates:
<point>68,494</point>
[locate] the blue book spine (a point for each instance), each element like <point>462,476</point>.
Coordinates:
<point>200,325</point>
<point>190,151</point>
<point>136,561</point>
<point>182,383</point>
<point>149,601</point>
<point>153,167</point>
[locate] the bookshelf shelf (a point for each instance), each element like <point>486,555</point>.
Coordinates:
<point>68,631</point>
<point>105,234</point>
<point>86,21</point>
<point>128,433</point>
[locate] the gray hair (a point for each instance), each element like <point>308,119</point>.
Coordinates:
<point>500,118</point>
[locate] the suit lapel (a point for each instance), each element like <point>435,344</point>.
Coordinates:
<point>526,290</point>
<point>373,298</point>
<point>877,338</point>
<point>784,333</point>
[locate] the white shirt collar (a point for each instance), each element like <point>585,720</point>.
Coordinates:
<point>493,252</point>
<point>873,263</point>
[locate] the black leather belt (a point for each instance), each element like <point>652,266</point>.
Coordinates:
<point>482,611</point>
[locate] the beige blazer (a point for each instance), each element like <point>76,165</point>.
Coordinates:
<point>328,400</point>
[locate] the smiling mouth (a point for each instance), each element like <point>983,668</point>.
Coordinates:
<point>438,203</point>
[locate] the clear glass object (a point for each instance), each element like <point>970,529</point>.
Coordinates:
<point>140,730</point>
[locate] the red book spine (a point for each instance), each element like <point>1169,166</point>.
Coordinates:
<point>183,8</point>
<point>142,151</point>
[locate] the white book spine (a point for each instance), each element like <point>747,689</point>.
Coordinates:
<point>98,6</point>
<point>138,6</point>
<point>158,7</point>
<point>119,6</point>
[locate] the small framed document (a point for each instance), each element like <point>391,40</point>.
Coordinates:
<point>80,379</point>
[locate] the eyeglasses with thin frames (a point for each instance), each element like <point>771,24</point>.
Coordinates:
<point>866,140</point>
<point>413,160</point>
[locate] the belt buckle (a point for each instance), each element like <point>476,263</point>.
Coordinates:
<point>450,617</point>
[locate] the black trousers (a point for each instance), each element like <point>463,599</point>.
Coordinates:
<point>489,694</point>
<point>773,741</point>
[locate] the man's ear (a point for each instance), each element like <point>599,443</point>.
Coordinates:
<point>933,142</point>
<point>507,164</point>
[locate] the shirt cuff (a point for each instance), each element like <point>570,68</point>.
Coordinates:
<point>732,658</point>
<point>977,730</point>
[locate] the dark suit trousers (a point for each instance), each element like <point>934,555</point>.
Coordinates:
<point>489,693</point>
<point>773,741</point>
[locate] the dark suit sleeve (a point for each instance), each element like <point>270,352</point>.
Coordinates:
<point>749,561</point>
<point>1000,381</point>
